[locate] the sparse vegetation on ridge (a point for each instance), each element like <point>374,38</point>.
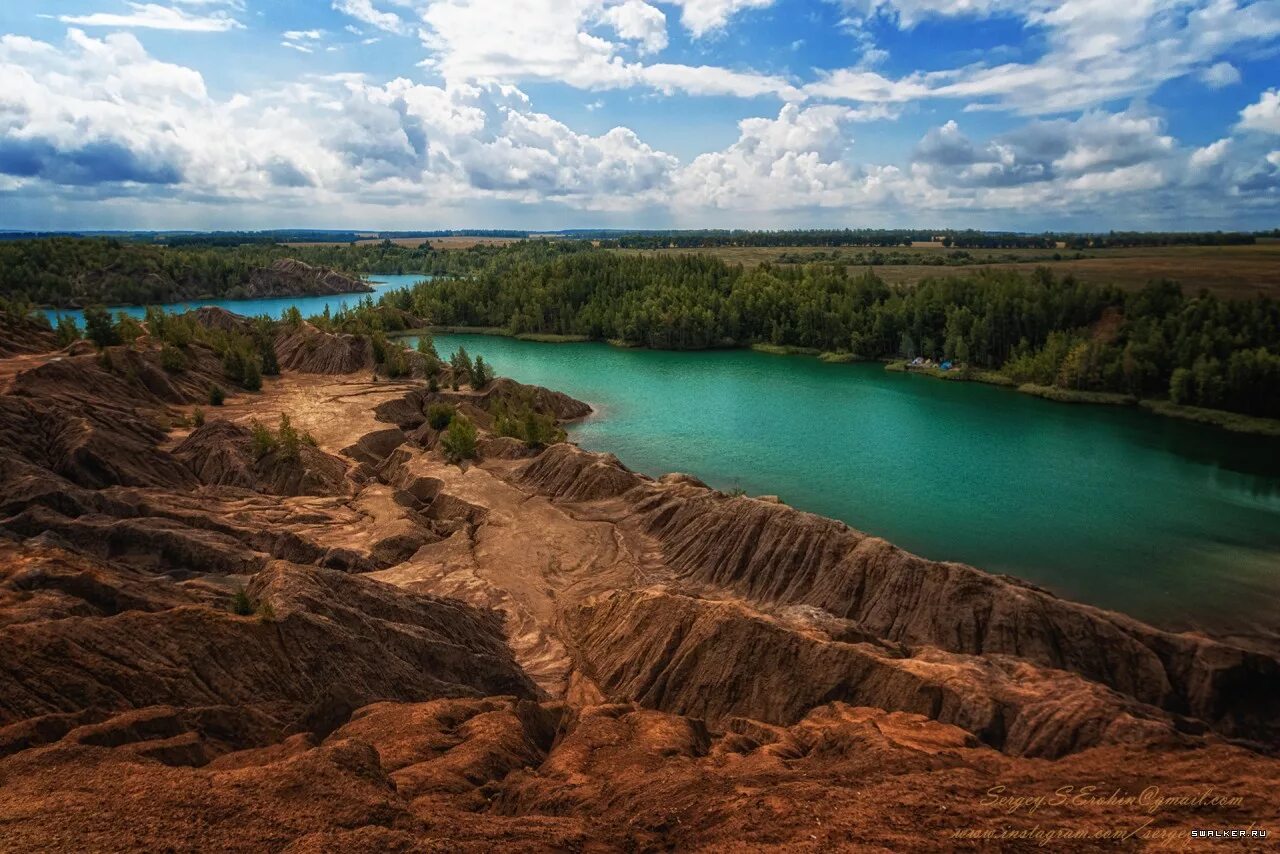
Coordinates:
<point>459,440</point>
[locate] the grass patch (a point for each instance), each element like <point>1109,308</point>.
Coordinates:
<point>416,332</point>
<point>1232,421</point>
<point>840,358</point>
<point>469,330</point>
<point>540,337</point>
<point>977,375</point>
<point>549,338</point>
<point>1067,395</point>
<point>785,350</point>
<point>241,605</point>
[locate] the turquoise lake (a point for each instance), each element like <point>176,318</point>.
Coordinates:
<point>1171,522</point>
<point>274,307</point>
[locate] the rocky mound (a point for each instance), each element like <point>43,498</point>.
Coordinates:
<point>720,660</point>
<point>478,775</point>
<point>221,453</point>
<point>24,334</point>
<point>410,410</point>
<point>91,447</point>
<point>571,474</point>
<point>774,555</point>
<point>215,317</point>
<point>302,348</point>
<point>121,379</point>
<point>316,632</point>
<point>96,419</point>
<point>308,350</point>
<point>40,580</point>
<point>288,277</point>
<point>514,394</point>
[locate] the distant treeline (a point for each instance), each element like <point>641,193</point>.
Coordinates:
<point>906,237</point>
<point>186,238</point>
<point>65,271</point>
<point>239,238</point>
<point>1036,328</point>
<point>694,239</point>
<point>1033,327</point>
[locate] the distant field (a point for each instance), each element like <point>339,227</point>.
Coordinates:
<point>436,242</point>
<point>1229,271</point>
<point>449,242</point>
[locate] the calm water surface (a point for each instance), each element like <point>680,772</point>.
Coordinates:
<point>273,307</point>
<point>1169,521</point>
<point>1172,522</point>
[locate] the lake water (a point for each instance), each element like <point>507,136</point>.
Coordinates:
<point>1172,522</point>
<point>1169,521</point>
<point>274,307</point>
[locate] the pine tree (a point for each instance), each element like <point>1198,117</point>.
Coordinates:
<point>481,374</point>
<point>459,441</point>
<point>98,327</point>
<point>462,366</point>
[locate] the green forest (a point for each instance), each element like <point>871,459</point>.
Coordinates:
<point>1034,328</point>
<point>70,271</point>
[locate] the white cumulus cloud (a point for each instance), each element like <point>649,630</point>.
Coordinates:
<point>703,16</point>
<point>1263,116</point>
<point>1096,51</point>
<point>639,22</point>
<point>1220,75</point>
<point>98,125</point>
<point>562,41</point>
<point>364,10</point>
<point>157,17</point>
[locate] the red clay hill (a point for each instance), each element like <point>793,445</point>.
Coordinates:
<point>214,638</point>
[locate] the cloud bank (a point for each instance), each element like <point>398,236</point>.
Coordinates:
<point>98,120</point>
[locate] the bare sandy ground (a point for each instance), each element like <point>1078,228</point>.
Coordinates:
<point>525,557</point>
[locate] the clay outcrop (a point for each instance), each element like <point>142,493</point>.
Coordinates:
<point>774,556</point>
<point>350,643</point>
<point>222,453</point>
<point>23,334</point>
<point>289,277</point>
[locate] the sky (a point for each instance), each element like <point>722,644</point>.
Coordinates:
<point>1024,115</point>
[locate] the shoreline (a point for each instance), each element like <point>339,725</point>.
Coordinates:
<point>168,306</point>
<point>495,331</point>
<point>1234,422</point>
<point>385,618</point>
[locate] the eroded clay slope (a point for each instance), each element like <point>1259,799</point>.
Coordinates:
<point>101,640</point>
<point>722,660</point>
<point>365,647</point>
<point>504,774</point>
<point>774,555</point>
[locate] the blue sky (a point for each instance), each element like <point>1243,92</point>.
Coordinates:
<point>1007,114</point>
